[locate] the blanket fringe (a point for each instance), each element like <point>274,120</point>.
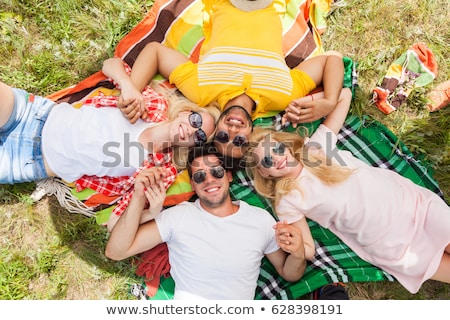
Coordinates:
<point>62,192</point>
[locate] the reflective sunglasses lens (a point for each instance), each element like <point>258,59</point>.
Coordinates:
<point>195,119</point>
<point>239,141</point>
<point>279,148</point>
<point>218,172</point>
<point>199,176</point>
<point>222,136</point>
<point>200,137</point>
<point>267,162</point>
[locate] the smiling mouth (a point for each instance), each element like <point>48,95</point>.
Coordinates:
<point>235,120</point>
<point>212,189</point>
<point>181,132</point>
<point>282,164</point>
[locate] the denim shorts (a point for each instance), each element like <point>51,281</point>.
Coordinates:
<point>21,157</point>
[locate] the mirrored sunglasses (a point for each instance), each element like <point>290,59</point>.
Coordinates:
<point>200,176</point>
<point>278,149</point>
<point>200,137</point>
<point>196,121</point>
<point>224,137</point>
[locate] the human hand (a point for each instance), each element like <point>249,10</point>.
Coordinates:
<point>289,239</point>
<point>156,194</point>
<point>147,178</point>
<point>307,109</point>
<point>132,104</point>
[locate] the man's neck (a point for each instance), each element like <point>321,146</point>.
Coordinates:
<point>224,210</point>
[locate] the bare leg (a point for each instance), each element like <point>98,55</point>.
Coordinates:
<point>6,103</point>
<point>443,272</point>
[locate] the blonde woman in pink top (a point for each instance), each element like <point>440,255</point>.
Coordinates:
<point>383,217</point>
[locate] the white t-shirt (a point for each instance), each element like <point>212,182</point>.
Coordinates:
<point>92,141</point>
<point>216,258</point>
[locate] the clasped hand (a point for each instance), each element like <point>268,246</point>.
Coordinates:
<point>307,109</point>
<point>149,183</point>
<point>132,104</point>
<point>289,239</point>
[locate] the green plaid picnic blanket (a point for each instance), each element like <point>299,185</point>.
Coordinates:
<point>334,261</point>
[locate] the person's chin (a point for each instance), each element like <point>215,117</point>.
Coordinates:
<point>239,110</point>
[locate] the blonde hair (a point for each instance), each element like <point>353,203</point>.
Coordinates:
<point>179,103</point>
<point>274,188</point>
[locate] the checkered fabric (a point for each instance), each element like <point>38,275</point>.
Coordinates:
<point>334,261</point>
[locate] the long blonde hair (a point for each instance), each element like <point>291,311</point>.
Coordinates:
<point>329,172</point>
<point>179,103</point>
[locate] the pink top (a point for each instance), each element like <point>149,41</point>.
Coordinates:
<point>383,217</point>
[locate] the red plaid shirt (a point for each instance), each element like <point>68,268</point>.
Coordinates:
<point>124,186</point>
<point>157,107</point>
<point>155,103</point>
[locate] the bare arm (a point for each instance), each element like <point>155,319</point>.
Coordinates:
<point>115,69</point>
<point>129,236</point>
<point>146,216</point>
<point>326,70</point>
<point>131,102</point>
<point>305,110</point>
<point>290,260</point>
<point>285,232</point>
<point>154,58</point>
<point>152,180</point>
<point>335,120</point>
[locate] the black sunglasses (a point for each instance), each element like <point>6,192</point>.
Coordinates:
<point>224,137</point>
<point>217,172</point>
<point>195,120</point>
<point>279,149</point>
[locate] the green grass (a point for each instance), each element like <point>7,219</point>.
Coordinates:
<point>375,33</point>
<point>49,253</point>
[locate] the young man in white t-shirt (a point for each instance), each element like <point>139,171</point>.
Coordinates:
<point>215,244</point>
